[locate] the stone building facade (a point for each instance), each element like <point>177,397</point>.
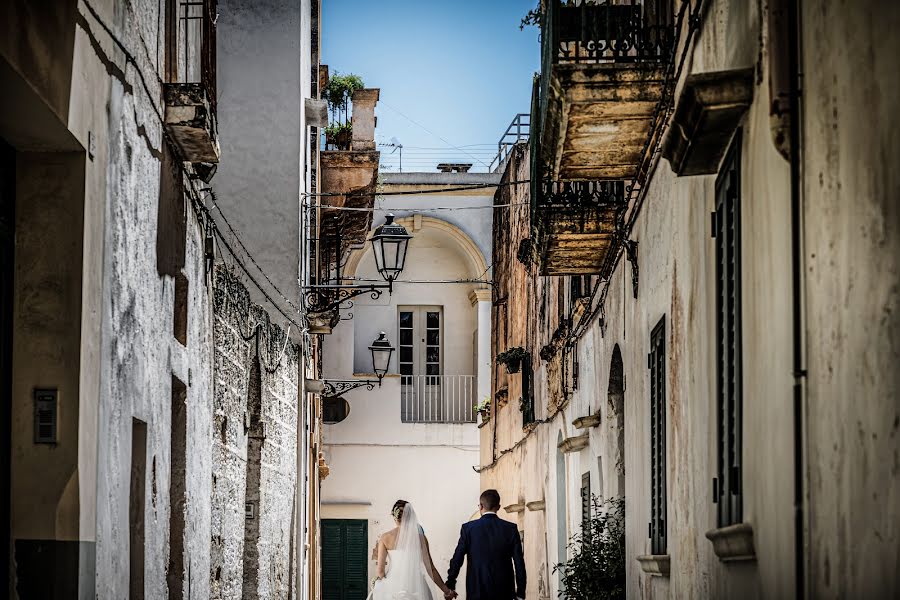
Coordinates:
<point>254,493</point>
<point>713,341</point>
<point>124,448</point>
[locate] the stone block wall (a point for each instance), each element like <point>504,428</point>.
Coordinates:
<point>254,448</point>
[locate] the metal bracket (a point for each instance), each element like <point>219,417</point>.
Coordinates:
<point>323,298</point>
<point>631,253</point>
<point>338,387</point>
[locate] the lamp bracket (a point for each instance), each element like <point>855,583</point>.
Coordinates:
<point>322,298</point>
<point>338,387</point>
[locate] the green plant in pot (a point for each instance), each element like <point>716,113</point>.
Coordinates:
<point>483,408</point>
<point>512,358</point>
<point>338,94</point>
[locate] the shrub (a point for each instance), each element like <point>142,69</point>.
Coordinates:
<point>596,568</point>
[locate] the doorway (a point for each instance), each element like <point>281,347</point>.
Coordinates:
<point>344,559</point>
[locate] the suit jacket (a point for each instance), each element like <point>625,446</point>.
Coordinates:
<point>493,547</point>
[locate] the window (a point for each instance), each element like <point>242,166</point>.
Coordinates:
<point>334,410</point>
<point>727,483</point>
<point>180,311</point>
<point>528,415</point>
<point>586,503</point>
<point>191,43</point>
<point>657,364</point>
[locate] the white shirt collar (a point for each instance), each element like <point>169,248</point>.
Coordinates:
<point>488,512</point>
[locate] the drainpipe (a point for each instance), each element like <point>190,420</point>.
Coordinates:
<point>798,325</point>
<point>784,41</point>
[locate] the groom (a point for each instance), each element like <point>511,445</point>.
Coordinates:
<point>492,546</point>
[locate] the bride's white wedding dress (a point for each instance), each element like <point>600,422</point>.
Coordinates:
<point>406,578</point>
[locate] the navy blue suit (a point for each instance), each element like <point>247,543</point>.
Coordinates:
<point>492,546</point>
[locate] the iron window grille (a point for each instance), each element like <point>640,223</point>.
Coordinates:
<point>657,366</point>
<point>727,488</point>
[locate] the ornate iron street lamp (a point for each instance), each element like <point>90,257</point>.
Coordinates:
<point>389,243</point>
<point>381,350</point>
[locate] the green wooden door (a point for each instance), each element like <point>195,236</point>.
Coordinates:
<point>345,559</point>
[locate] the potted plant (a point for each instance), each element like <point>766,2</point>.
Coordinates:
<point>483,409</point>
<point>338,94</point>
<point>596,567</point>
<point>512,358</point>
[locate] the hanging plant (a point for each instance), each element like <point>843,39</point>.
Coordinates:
<point>512,359</point>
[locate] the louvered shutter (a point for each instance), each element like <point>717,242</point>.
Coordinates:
<point>356,560</point>
<point>332,568</point>
<point>344,559</point>
<point>657,364</point>
<point>727,489</point>
<point>586,503</point>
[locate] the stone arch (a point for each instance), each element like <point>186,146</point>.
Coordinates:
<point>616,405</point>
<point>477,265</point>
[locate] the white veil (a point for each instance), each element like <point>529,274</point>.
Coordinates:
<point>406,578</point>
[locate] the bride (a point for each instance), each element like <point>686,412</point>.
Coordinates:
<point>405,551</point>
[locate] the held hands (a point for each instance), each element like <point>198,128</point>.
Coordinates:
<point>450,594</point>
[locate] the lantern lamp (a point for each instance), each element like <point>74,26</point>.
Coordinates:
<point>381,356</point>
<point>389,243</point>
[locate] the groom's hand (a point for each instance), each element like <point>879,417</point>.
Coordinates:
<point>450,595</point>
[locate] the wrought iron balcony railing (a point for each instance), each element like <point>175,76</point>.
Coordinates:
<point>612,31</point>
<point>437,398</point>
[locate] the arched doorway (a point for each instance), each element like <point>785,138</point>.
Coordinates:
<point>616,399</point>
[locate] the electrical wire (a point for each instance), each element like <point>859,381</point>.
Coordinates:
<point>417,210</point>
<point>471,186</point>
<point>431,132</point>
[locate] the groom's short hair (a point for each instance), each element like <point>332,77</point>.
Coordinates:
<point>490,500</point>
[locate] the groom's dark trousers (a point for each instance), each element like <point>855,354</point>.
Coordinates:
<point>493,547</point>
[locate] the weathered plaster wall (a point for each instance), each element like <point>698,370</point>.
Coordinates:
<point>850,277</point>
<point>255,411</point>
<point>852,265</point>
<point>263,75</point>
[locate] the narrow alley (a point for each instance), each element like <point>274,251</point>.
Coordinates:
<point>544,299</point>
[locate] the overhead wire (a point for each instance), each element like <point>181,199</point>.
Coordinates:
<point>429,131</point>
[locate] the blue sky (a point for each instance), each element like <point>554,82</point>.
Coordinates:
<point>460,70</point>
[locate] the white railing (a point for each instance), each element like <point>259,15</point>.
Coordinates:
<point>437,398</point>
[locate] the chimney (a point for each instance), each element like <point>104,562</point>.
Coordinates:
<point>454,167</point>
<point>363,119</point>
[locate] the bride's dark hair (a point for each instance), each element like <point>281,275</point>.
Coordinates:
<point>397,511</point>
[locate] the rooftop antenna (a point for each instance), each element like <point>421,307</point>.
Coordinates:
<point>396,145</point>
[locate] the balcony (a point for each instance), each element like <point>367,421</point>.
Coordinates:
<point>190,91</point>
<point>349,174</point>
<point>603,75</point>
<point>576,225</point>
<point>191,121</point>
<point>437,398</point>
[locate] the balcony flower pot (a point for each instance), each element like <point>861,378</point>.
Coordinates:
<point>512,359</point>
<point>339,136</point>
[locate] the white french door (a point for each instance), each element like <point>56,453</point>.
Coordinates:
<point>420,335</point>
